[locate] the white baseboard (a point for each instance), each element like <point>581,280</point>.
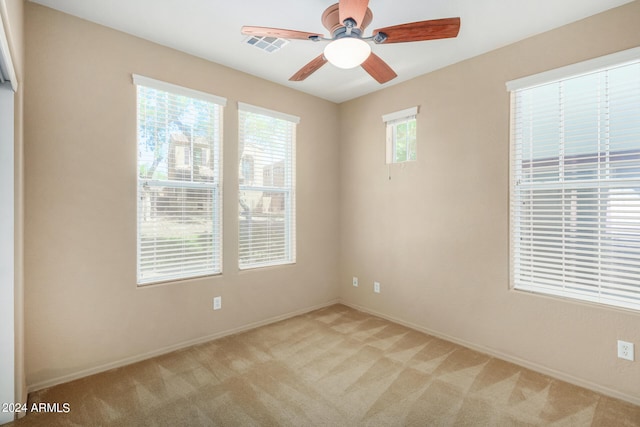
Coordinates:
<point>504,356</point>
<point>168,349</point>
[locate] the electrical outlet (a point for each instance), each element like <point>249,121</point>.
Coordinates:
<point>355,281</point>
<point>376,287</point>
<point>217,303</point>
<point>625,350</point>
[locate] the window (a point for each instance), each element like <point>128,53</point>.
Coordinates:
<point>267,224</point>
<point>401,135</point>
<point>575,181</point>
<point>179,182</point>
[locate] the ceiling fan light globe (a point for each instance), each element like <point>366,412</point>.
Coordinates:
<point>347,52</point>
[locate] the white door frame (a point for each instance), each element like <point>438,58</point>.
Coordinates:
<point>7,242</point>
<point>8,85</point>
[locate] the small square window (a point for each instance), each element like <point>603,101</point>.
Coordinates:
<point>401,136</point>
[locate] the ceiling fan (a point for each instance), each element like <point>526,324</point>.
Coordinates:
<point>348,48</point>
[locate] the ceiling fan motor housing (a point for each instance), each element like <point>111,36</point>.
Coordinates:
<point>343,32</point>
<point>331,19</point>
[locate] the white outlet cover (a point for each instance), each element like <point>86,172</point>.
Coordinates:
<point>217,303</point>
<point>625,350</point>
<point>376,287</point>
<point>355,281</point>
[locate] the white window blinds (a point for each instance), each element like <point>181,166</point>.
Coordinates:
<point>179,182</point>
<point>267,225</point>
<point>575,191</point>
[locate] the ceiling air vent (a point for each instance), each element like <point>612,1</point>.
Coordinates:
<point>268,44</point>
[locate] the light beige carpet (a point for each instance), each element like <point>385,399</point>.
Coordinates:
<point>332,367</point>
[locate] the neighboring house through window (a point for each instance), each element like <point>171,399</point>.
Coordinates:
<point>575,181</point>
<point>267,187</point>
<point>179,182</point>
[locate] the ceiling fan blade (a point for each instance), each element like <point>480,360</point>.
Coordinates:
<point>378,69</point>
<point>354,9</point>
<point>309,69</point>
<point>418,31</point>
<point>278,32</point>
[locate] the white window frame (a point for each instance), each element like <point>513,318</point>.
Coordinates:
<point>215,187</point>
<point>392,121</point>
<point>288,190</point>
<point>612,282</point>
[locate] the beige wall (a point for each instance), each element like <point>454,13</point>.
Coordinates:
<point>436,234</point>
<point>83,308</point>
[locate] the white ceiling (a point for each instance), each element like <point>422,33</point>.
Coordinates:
<point>211,29</point>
